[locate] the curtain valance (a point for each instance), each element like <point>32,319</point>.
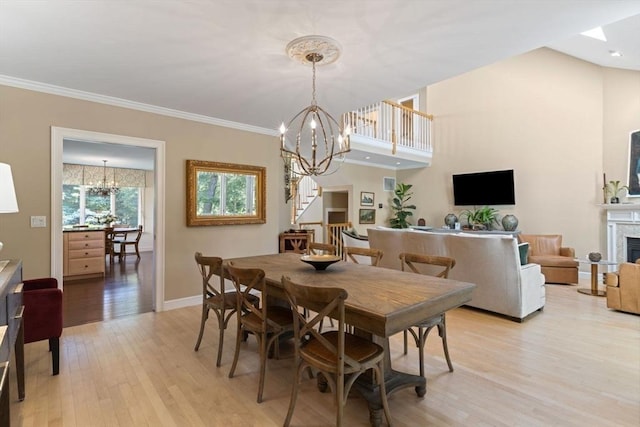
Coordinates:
<point>91,175</point>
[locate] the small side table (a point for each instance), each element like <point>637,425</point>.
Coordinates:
<point>594,277</point>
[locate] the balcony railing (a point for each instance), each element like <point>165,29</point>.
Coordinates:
<point>394,123</point>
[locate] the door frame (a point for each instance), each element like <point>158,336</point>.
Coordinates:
<point>58,134</point>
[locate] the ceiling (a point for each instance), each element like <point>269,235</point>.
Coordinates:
<point>226,59</point>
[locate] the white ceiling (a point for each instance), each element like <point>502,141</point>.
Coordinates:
<point>226,59</point>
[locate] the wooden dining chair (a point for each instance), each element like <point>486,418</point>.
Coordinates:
<point>216,298</point>
<point>340,356</point>
<point>356,254</point>
<point>109,237</point>
<point>438,266</point>
<point>124,242</point>
<point>316,248</point>
<point>267,323</point>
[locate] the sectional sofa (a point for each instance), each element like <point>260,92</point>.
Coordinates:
<point>504,284</point>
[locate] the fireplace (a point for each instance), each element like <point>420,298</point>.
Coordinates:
<point>633,249</point>
<point>623,232</point>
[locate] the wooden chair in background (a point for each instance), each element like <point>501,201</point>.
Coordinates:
<point>438,266</point>
<point>266,323</point>
<point>340,356</point>
<point>357,254</point>
<point>222,303</point>
<point>316,248</point>
<point>125,242</point>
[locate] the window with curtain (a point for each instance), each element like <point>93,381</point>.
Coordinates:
<point>79,207</point>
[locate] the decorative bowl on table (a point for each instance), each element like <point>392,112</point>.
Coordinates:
<point>320,262</point>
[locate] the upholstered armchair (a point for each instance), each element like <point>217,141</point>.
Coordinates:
<point>623,288</point>
<point>43,315</point>
<point>558,263</point>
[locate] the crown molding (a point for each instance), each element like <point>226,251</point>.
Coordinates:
<point>133,105</point>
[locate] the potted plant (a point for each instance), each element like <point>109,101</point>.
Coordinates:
<point>480,219</point>
<point>614,188</point>
<point>400,206</point>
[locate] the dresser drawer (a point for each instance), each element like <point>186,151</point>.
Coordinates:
<point>87,244</point>
<point>86,266</point>
<point>85,253</point>
<point>86,235</point>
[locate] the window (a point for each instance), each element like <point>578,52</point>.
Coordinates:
<point>78,207</point>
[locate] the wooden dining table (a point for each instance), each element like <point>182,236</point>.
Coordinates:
<point>381,303</point>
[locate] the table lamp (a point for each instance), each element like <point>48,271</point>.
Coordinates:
<point>8,202</point>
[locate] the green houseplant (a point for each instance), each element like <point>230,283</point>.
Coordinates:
<point>614,188</point>
<point>480,219</point>
<point>400,206</point>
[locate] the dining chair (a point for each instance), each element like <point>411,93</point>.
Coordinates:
<point>109,237</point>
<point>316,248</point>
<point>217,299</point>
<point>124,242</point>
<point>356,255</point>
<point>438,266</point>
<point>340,356</point>
<point>266,322</point>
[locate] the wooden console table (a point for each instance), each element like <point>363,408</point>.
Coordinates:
<point>11,310</point>
<point>296,241</point>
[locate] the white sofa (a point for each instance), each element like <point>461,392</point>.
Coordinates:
<point>492,262</point>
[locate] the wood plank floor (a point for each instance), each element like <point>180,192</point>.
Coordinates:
<point>126,289</point>
<point>575,364</point>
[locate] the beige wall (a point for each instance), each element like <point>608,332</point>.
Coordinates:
<point>558,121</point>
<point>25,121</point>
<point>543,115</point>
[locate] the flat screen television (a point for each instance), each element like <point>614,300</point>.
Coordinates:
<point>484,188</point>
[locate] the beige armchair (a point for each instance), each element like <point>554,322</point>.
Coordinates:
<point>623,288</point>
<point>558,263</point>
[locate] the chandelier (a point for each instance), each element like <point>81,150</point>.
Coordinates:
<point>104,188</point>
<point>313,139</point>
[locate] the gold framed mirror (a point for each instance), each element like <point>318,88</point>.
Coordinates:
<point>225,193</point>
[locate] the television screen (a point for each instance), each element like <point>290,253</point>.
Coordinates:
<point>484,188</point>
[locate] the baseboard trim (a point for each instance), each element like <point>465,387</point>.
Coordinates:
<point>182,302</point>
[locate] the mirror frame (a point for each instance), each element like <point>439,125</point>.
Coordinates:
<point>259,172</point>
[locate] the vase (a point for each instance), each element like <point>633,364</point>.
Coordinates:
<point>450,220</point>
<point>509,222</point>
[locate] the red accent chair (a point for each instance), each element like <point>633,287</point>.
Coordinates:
<point>43,315</point>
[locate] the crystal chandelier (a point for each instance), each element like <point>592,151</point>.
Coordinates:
<point>319,143</point>
<point>104,188</point>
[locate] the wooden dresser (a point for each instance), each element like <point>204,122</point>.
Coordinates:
<point>83,253</point>
<point>296,241</point>
<point>11,310</point>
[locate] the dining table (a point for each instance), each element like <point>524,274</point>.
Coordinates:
<point>381,302</point>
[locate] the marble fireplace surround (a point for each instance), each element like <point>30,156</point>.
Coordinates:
<point>623,221</point>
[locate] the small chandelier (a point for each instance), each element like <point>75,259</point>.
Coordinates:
<point>103,188</point>
<point>320,143</point>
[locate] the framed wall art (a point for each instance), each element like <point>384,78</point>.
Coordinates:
<point>634,164</point>
<point>366,198</point>
<point>367,216</point>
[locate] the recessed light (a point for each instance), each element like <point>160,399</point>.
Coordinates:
<point>595,33</point>
<point>397,163</point>
<point>367,157</point>
<point>615,53</point>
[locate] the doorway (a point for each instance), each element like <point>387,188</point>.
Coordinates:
<point>58,136</point>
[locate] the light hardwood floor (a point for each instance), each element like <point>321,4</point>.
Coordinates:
<point>575,364</point>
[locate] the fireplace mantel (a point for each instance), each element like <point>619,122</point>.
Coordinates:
<point>623,220</point>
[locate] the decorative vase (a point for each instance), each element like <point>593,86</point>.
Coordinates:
<point>450,220</point>
<point>509,222</point>
<point>595,256</point>
<point>615,200</point>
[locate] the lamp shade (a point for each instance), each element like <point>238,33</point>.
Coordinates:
<point>8,202</point>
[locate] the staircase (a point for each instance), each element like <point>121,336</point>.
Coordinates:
<point>303,190</point>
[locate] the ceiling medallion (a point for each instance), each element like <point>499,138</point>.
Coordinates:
<point>328,49</point>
